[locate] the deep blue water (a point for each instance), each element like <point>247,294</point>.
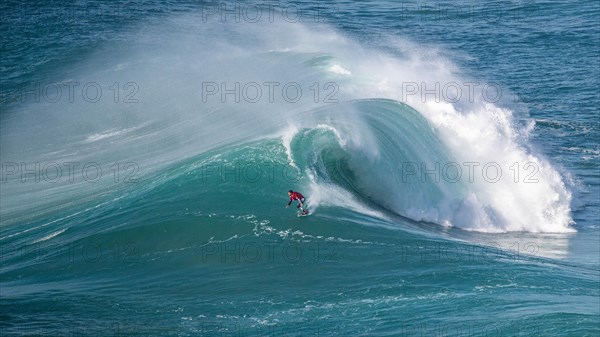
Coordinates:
<point>449,153</point>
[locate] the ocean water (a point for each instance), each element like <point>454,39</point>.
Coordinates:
<point>449,153</point>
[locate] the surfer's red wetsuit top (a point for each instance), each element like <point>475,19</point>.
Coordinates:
<point>296,196</point>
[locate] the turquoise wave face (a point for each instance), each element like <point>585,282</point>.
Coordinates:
<point>384,164</point>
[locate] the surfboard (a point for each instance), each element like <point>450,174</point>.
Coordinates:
<point>305,213</point>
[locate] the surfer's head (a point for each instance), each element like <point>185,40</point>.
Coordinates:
<point>290,192</point>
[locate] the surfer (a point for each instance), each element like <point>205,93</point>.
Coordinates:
<point>296,196</point>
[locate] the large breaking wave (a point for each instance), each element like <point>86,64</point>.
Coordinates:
<point>373,127</point>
